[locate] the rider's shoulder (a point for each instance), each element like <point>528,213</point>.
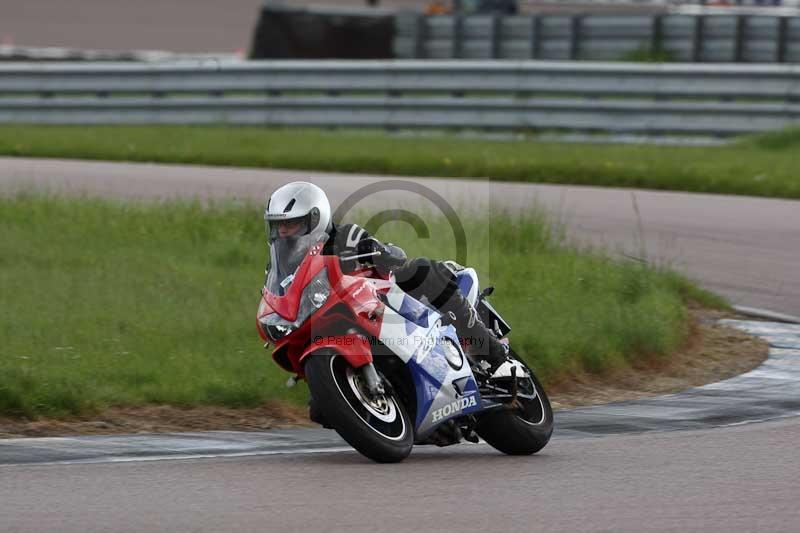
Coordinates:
<point>348,234</point>
<point>342,238</point>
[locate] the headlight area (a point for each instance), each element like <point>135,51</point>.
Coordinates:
<point>314,297</point>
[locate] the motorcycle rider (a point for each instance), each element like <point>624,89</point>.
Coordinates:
<point>298,215</point>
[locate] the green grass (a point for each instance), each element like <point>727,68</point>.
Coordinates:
<point>767,165</point>
<point>104,303</point>
<point>648,54</point>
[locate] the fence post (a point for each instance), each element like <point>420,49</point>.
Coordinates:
<point>781,36</point>
<point>495,38</point>
<point>575,36</point>
<point>458,36</point>
<point>738,39</point>
<point>697,38</point>
<point>657,35</point>
<point>419,36</point>
<point>536,36</point>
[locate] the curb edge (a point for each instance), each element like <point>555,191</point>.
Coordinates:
<point>766,314</point>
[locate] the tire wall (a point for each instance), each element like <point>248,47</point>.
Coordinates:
<point>299,33</point>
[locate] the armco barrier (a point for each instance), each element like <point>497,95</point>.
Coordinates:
<point>507,95</point>
<point>736,38</point>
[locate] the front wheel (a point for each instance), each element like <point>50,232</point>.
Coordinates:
<point>379,427</point>
<point>525,429</point>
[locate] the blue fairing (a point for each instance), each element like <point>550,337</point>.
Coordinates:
<point>464,281</point>
<point>415,312</point>
<point>414,333</point>
<point>439,385</point>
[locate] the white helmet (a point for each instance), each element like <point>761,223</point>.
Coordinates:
<point>302,201</point>
<point>305,209</point>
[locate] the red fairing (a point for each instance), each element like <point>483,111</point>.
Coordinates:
<point>264,309</point>
<point>347,322</point>
<point>355,348</point>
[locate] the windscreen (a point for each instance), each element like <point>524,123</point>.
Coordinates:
<point>286,254</point>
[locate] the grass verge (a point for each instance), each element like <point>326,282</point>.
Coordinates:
<point>107,303</point>
<point>765,165</point>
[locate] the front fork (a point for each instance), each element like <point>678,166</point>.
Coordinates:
<point>375,384</point>
<point>373,380</point>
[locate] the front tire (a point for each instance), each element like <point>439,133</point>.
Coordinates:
<point>379,429</point>
<point>522,431</point>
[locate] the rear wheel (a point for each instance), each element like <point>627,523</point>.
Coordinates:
<point>524,429</point>
<point>378,427</point>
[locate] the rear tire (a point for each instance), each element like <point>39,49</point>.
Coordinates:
<point>519,432</point>
<point>381,431</point>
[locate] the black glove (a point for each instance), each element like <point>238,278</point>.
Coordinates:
<point>393,255</point>
<point>388,256</point>
<point>368,246</point>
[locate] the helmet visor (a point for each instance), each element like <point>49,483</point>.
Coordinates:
<point>286,228</point>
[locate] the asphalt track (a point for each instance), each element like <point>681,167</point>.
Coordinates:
<point>739,476</point>
<point>747,249</point>
<point>174,25</point>
<point>742,478</point>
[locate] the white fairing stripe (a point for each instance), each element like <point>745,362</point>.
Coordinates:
<point>393,335</point>
<point>472,296</point>
<point>395,297</point>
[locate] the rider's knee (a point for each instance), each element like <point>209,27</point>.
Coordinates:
<point>413,274</point>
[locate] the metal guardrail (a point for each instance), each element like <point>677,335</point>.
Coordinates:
<point>53,53</point>
<point>696,38</point>
<point>508,95</point>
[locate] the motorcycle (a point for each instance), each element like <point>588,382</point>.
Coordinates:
<point>384,370</point>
